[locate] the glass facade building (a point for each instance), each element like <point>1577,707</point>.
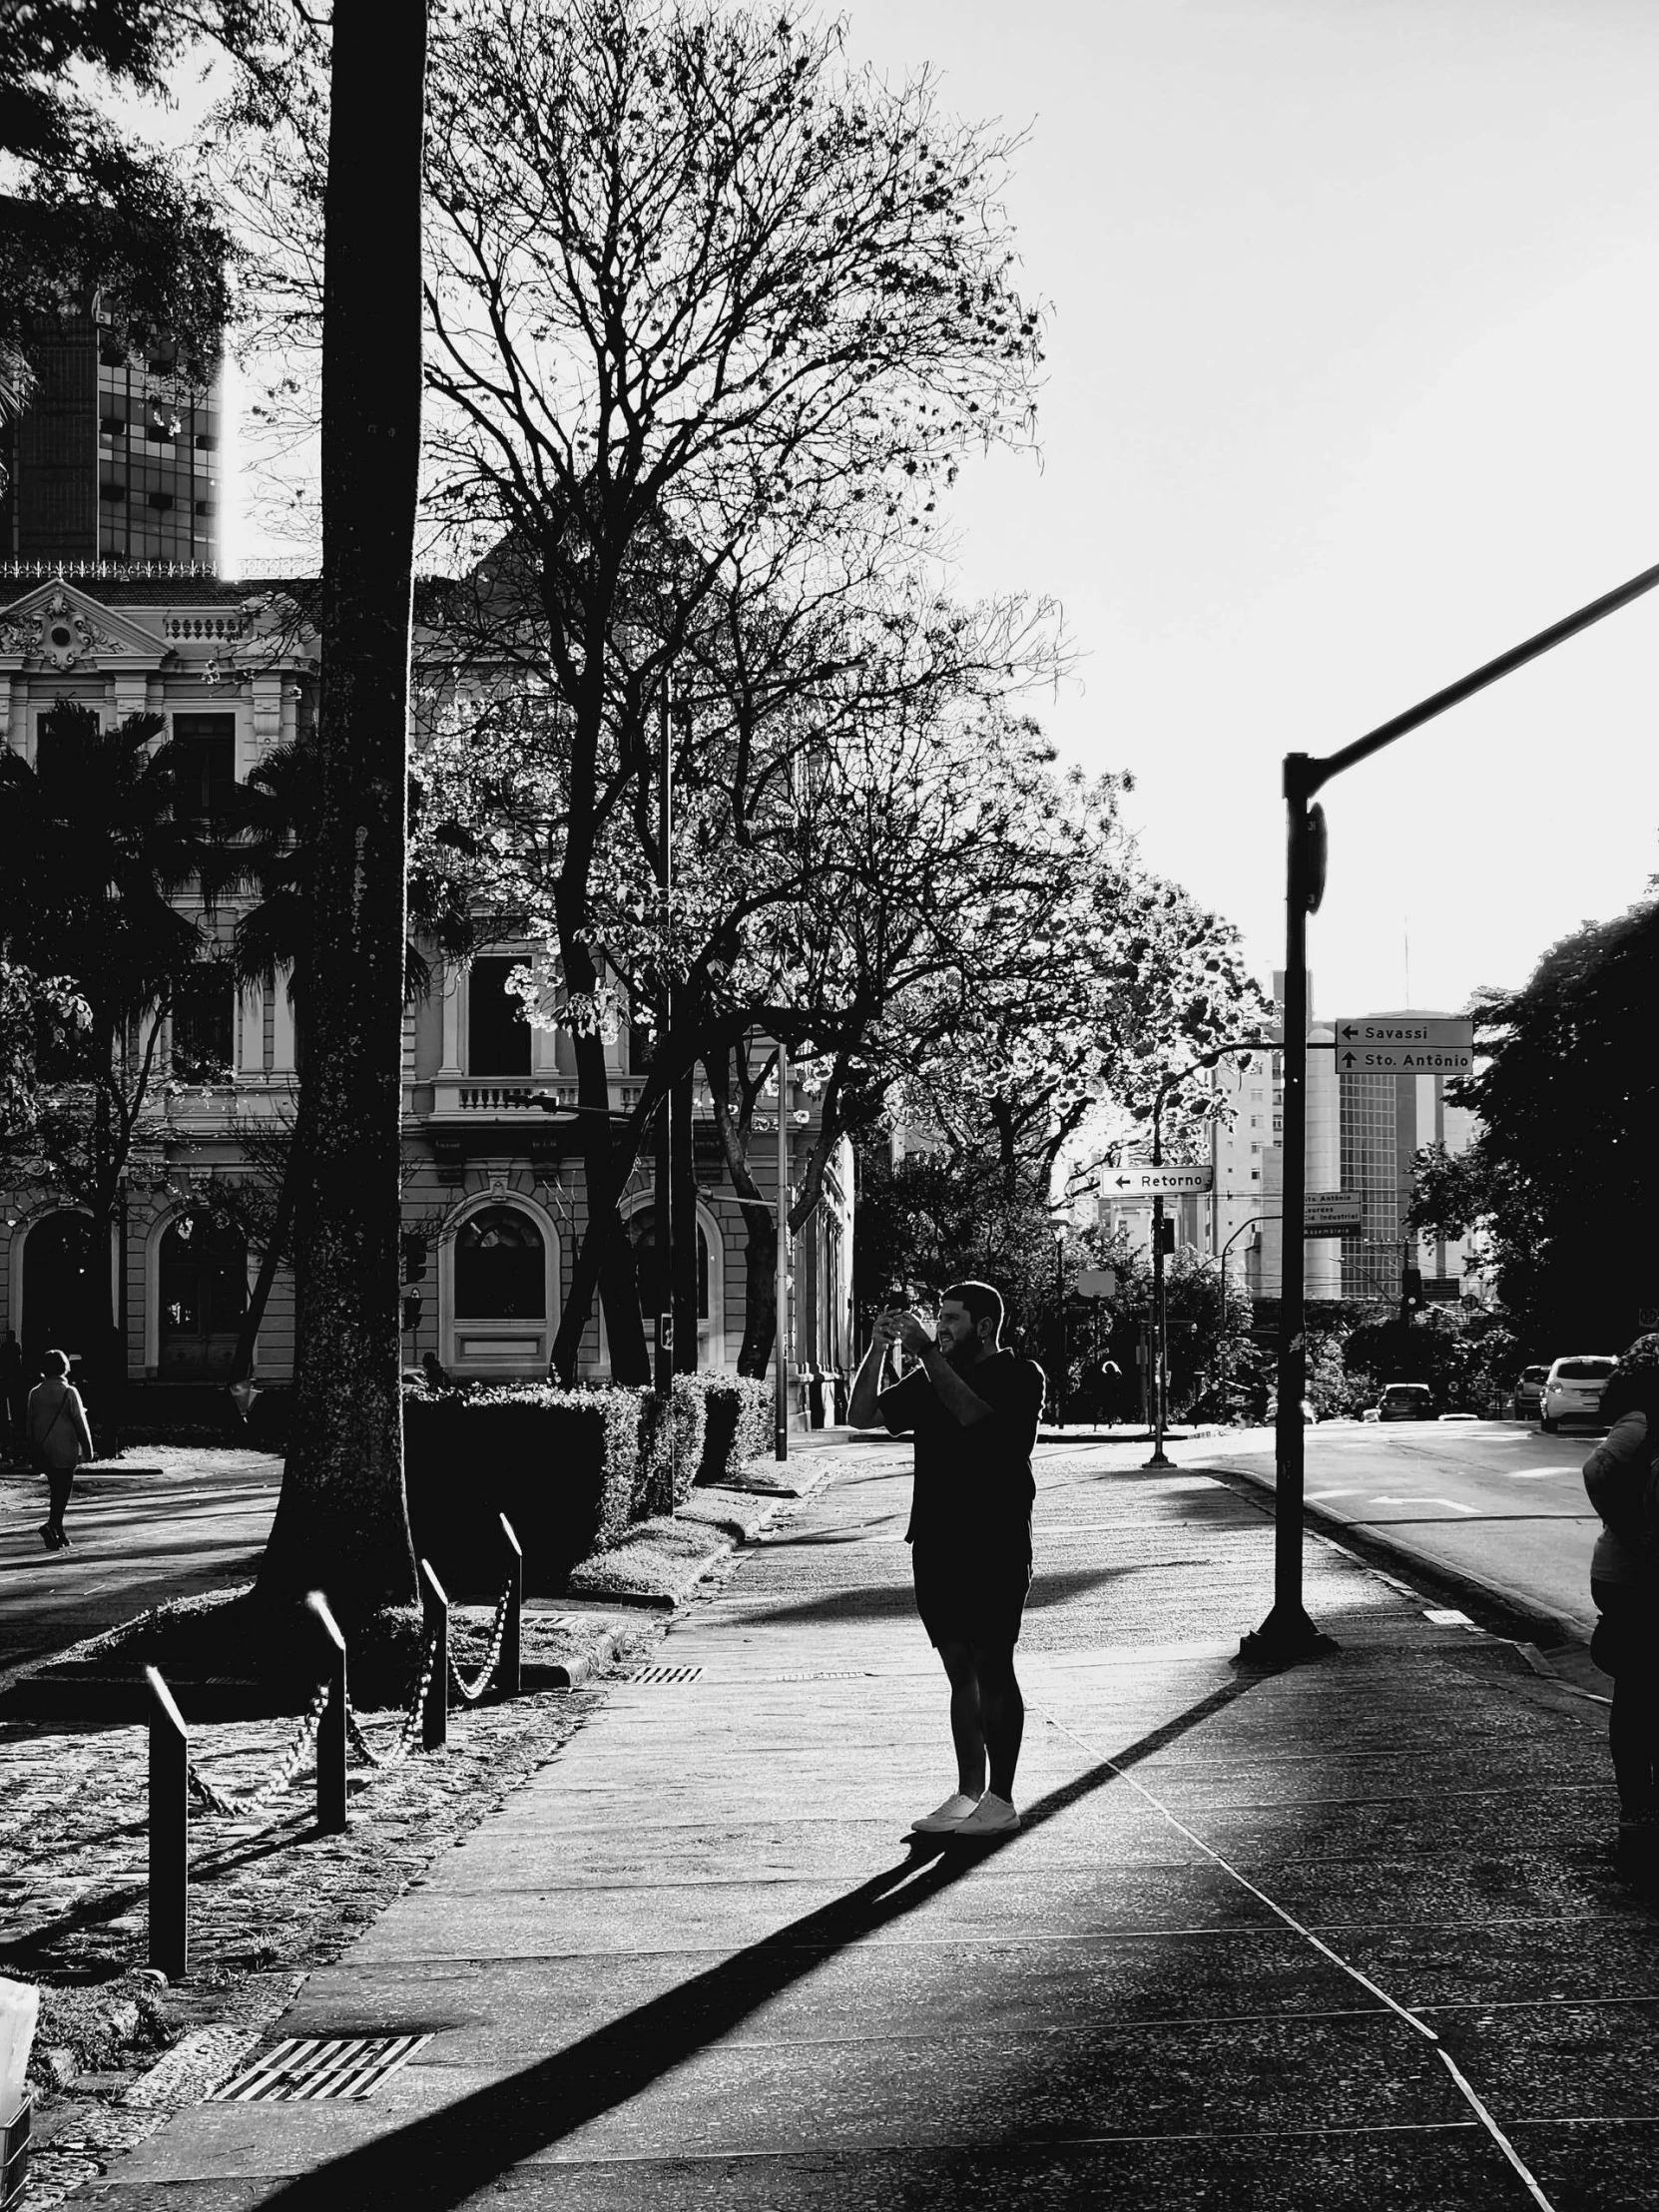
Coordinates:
<point>158,459</point>
<point>116,457</point>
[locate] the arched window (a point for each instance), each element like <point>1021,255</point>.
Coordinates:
<point>202,1285</point>
<point>57,1254</point>
<point>648,1271</point>
<point>500,1266</point>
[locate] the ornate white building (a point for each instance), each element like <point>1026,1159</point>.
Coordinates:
<point>491,1189</point>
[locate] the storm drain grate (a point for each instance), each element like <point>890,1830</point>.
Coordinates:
<point>827,1674</point>
<point>306,2066</point>
<point>666,1674</point>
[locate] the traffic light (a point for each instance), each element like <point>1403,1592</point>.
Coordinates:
<point>1166,1236</point>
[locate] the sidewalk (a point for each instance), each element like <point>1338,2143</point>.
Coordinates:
<point>695,1964</point>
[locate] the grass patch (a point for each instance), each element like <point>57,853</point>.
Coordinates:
<point>657,1558</point>
<point>230,1633</point>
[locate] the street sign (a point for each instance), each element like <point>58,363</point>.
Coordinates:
<point>1097,1282</point>
<point>1153,1182</point>
<point>1405,1044</point>
<point>1331,1214</point>
<point>1403,1059</point>
<point>1453,1032</point>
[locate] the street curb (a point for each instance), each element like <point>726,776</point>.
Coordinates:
<point>554,1674</point>
<point>1521,1619</point>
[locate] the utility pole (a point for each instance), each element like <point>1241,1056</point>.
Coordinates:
<point>1288,1633</point>
<point>781,1396</point>
<point>663,1167</point>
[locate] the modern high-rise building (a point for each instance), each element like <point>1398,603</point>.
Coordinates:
<point>1363,1132</point>
<point>117,455</point>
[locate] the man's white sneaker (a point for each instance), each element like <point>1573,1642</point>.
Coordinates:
<point>945,1819</point>
<point>992,1816</point>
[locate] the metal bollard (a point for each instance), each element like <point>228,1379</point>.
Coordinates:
<point>330,1730</point>
<point>434,1619</point>
<point>509,1673</point>
<point>169,1832</point>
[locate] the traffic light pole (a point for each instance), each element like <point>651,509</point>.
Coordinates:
<point>1288,1633</point>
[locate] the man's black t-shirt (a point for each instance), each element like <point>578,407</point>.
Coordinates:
<point>973,1482</point>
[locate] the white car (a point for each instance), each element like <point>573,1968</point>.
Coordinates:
<point>1573,1388</point>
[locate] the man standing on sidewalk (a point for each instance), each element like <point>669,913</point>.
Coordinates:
<point>973,1410</point>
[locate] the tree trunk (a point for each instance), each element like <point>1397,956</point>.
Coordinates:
<point>603,1261</point>
<point>760,1301</point>
<point>682,1210</point>
<point>269,1261</point>
<point>341,1519</point>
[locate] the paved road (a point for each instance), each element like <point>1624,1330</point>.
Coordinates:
<point>1495,1499</point>
<point>189,1524</point>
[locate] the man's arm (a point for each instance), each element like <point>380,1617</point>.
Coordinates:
<point>866,1384</point>
<point>953,1390</point>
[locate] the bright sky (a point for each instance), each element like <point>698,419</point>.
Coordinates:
<point>1352,365</point>
<point>1351,374</point>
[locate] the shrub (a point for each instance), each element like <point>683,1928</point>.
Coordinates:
<point>671,1445</point>
<point>563,1465</point>
<point>739,1424</point>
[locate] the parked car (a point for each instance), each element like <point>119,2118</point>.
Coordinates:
<point>1405,1401</point>
<point>1573,1388</point>
<point>1529,1392</point>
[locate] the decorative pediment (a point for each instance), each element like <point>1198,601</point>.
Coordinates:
<point>63,627</point>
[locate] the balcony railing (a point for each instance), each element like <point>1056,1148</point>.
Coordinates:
<point>515,1096</point>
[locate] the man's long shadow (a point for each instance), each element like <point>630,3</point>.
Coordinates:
<point>442,2159</point>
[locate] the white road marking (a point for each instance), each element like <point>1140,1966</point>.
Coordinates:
<point>1312,1495</point>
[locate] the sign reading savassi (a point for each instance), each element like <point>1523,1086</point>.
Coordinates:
<point>1148,1182</point>
<point>1450,1032</point>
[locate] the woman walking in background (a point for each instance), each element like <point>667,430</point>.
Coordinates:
<point>1624,1582</point>
<point>57,1440</point>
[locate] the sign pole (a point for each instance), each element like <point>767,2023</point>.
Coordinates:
<point>781,1402</point>
<point>1288,1633</point>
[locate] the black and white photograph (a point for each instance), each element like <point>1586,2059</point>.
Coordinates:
<point>829,1226</point>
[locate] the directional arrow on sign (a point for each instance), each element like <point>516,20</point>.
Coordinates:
<point>1451,1032</point>
<point>1149,1181</point>
<point>1406,1059</point>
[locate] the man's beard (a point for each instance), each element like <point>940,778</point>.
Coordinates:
<point>963,1354</point>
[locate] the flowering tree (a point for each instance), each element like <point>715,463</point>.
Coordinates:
<point>711,324</point>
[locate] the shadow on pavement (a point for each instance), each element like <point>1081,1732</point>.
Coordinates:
<point>443,2160</point>
<point>895,1600</point>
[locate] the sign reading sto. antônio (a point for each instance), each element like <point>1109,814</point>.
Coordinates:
<point>1405,1044</point>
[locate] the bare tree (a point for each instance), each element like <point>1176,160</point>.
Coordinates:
<point>699,300</point>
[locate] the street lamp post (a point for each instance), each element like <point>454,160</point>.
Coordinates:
<point>1060,1314</point>
<point>1288,1633</point>
<point>1160,1328</point>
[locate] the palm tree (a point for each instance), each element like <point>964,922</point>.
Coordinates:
<point>100,843</point>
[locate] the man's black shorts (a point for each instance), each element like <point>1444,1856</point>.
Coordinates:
<point>970,1598</point>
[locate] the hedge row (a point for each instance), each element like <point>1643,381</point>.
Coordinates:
<point>571,1469</point>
